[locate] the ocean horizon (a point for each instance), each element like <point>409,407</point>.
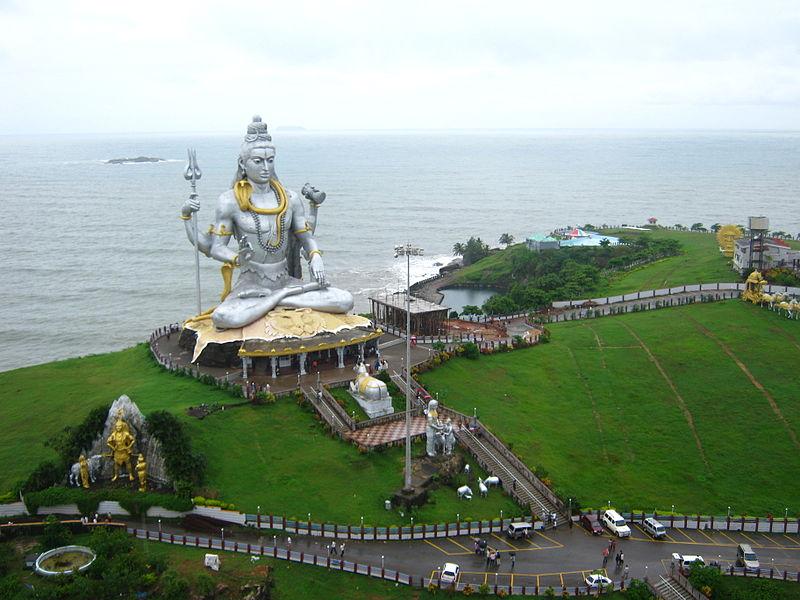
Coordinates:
<point>96,257</point>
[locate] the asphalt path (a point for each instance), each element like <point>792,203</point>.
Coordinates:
<point>553,557</point>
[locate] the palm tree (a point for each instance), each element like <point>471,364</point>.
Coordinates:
<point>507,239</point>
<point>459,249</point>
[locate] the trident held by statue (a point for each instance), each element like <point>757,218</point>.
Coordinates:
<point>192,174</point>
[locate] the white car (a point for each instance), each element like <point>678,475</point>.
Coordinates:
<point>687,561</point>
<point>595,581</point>
<point>450,573</point>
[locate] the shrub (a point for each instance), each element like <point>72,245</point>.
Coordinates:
<point>470,350</point>
<point>184,467</point>
<point>55,534</point>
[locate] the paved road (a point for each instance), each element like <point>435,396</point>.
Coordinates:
<point>562,557</point>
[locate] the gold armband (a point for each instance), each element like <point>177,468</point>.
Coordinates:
<point>303,230</point>
<point>313,252</point>
<point>235,261</point>
<point>189,218</point>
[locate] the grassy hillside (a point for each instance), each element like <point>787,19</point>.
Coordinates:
<point>650,409</point>
<point>701,262</point>
<point>256,455</point>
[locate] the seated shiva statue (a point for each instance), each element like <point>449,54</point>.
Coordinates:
<point>270,226</point>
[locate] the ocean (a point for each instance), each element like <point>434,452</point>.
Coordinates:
<point>94,256</point>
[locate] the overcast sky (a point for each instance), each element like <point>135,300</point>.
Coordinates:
<point>104,66</point>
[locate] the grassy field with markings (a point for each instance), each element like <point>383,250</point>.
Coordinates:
<point>697,406</point>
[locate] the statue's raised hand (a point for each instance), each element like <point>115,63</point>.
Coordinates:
<point>245,250</point>
<point>313,194</point>
<point>317,269</point>
<point>192,205</point>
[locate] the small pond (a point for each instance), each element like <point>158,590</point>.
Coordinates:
<point>64,560</point>
<point>456,298</point>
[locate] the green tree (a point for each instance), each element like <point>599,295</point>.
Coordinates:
<point>471,309</point>
<point>638,590</point>
<point>474,250</point>
<point>506,239</point>
<point>55,534</point>
<point>459,249</point>
<point>697,227</point>
<point>605,243</point>
<point>715,227</point>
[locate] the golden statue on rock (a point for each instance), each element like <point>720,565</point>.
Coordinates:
<point>84,471</point>
<point>141,472</point>
<point>121,443</point>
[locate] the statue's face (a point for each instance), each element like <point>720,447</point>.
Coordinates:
<point>260,165</point>
<point>118,426</point>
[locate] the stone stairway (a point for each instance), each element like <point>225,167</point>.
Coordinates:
<point>669,589</point>
<point>524,490</point>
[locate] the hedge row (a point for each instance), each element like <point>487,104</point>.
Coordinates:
<point>136,503</point>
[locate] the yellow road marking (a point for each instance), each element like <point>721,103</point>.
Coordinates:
<point>561,577</point>
<point>497,537</point>
<point>770,540</point>
<point>486,578</point>
<point>747,537</point>
<point>794,541</point>
<point>684,534</point>
<point>549,539</point>
<point>708,537</point>
<point>460,545</point>
<point>430,543</point>
<point>735,543</point>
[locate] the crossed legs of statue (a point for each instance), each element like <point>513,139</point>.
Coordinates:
<point>242,308</point>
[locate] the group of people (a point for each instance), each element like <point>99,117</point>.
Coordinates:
<point>492,555</point>
<point>332,549</point>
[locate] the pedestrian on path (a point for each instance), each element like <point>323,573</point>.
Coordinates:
<point>476,546</point>
<point>341,550</point>
<point>332,549</point>
<point>605,556</point>
<point>621,557</point>
<point>289,543</point>
<point>625,573</point>
<point>513,557</point>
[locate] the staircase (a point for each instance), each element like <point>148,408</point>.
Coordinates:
<point>669,589</point>
<point>525,490</point>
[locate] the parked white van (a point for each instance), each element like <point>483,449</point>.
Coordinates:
<point>615,523</point>
<point>654,528</point>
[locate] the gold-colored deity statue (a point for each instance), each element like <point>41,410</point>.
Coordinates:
<point>754,288</point>
<point>84,471</point>
<point>141,471</point>
<point>121,443</point>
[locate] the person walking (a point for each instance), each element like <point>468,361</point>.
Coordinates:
<point>605,556</point>
<point>625,573</point>
<point>621,558</point>
<point>513,557</point>
<point>333,548</point>
<point>341,550</point>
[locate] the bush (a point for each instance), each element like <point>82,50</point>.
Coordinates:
<point>136,503</point>
<point>184,467</point>
<point>55,534</point>
<point>470,350</point>
<point>702,577</point>
<point>638,590</point>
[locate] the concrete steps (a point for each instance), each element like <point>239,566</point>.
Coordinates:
<point>524,491</point>
<point>669,589</point>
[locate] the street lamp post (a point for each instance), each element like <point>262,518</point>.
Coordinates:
<point>408,251</point>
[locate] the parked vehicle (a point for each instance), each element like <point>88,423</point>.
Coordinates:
<point>745,557</point>
<point>450,573</point>
<point>654,528</point>
<point>591,523</point>
<point>595,580</point>
<point>615,523</point>
<point>686,561</point>
<point>519,530</point>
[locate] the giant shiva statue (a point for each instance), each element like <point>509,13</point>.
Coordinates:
<point>270,227</point>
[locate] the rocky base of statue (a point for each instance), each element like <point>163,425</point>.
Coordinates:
<point>145,444</point>
<point>213,355</point>
<point>427,473</point>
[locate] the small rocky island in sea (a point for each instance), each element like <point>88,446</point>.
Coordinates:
<point>138,159</point>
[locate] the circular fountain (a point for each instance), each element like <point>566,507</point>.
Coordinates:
<point>65,560</point>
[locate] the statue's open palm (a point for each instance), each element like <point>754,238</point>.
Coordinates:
<point>317,269</point>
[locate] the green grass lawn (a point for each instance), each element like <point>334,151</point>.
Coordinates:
<point>596,412</point>
<point>276,456</point>
<point>701,262</point>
